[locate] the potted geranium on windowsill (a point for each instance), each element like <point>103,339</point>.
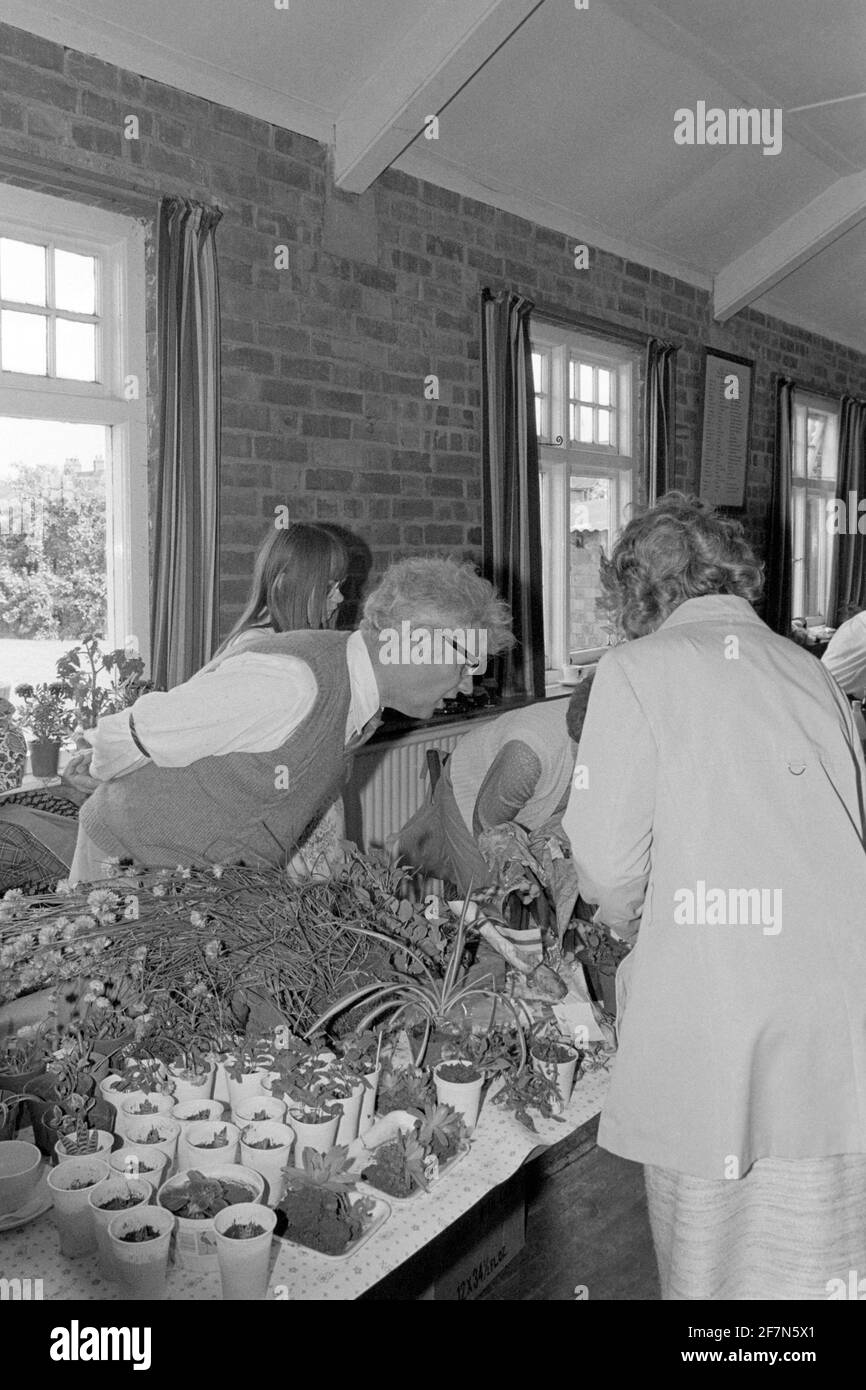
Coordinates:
<point>48,716</point>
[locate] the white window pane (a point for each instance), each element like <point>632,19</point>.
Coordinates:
<point>603,387</point>
<point>24,341</point>
<point>22,272</point>
<point>572,379</point>
<point>586,413</point>
<point>604,426</point>
<point>75,282</point>
<point>585,392</point>
<point>76,350</point>
<point>539,417</point>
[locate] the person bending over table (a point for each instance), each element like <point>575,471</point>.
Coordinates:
<point>231,766</point>
<point>720,825</point>
<point>516,767</point>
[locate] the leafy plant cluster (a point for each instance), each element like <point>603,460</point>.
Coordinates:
<point>201,1196</point>
<point>320,1209</point>
<point>403,1166</point>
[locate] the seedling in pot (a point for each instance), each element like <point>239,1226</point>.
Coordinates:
<point>141,1233</point>
<point>153,1136</point>
<point>80,1183</point>
<point>119,1203</point>
<point>219,1141</point>
<point>244,1231</point>
<point>266,1143</point>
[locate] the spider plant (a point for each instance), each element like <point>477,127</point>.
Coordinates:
<point>435,998</point>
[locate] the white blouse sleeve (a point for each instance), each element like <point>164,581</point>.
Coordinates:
<point>251,703</point>
<point>609,817</point>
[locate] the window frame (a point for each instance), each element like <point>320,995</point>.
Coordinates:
<point>559,461</point>
<point>119,243</point>
<point>802,487</point>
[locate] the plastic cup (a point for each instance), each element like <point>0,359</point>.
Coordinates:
<point>72,1213</point>
<point>244,1264</point>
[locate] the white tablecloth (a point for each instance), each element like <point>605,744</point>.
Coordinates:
<point>500,1145</point>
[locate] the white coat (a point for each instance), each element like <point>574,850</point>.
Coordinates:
<point>717,813</point>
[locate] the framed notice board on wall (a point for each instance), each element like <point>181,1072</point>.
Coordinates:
<point>727,428</point>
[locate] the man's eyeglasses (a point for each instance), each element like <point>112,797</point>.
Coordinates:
<point>470,664</point>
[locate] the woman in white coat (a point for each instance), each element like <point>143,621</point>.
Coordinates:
<point>716,819</point>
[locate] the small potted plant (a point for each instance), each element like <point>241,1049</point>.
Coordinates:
<point>209,1144</point>
<point>315,1088</point>
<point>70,1184</point>
<point>195,1199</point>
<point>459,1083</point>
<point>139,1241</point>
<point>246,1069</point>
<point>404,1088</point>
<point>555,1058</point>
<point>65,1098</point>
<point>101,682</point>
<point>148,1132</point>
<point>320,1209</point>
<point>190,1112</point>
<point>48,716</point>
<point>244,1234</point>
<point>266,1146</point>
<point>149,1163</point>
<point>399,1168</point>
<point>114,1194</point>
<point>257,1108</point>
<point>360,1054</point>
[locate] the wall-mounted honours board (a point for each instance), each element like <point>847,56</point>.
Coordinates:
<point>727,425</point>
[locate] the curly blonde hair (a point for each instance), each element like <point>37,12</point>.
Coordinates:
<point>439,592</point>
<point>681,548</point>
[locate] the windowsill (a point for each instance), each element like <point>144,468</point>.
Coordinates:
<point>399,724</point>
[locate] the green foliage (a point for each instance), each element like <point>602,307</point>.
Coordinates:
<point>200,1197</point>
<point>46,711</point>
<point>53,575</point>
<point>84,670</point>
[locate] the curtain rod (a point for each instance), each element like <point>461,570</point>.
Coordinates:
<point>133,196</point>
<point>586,323</point>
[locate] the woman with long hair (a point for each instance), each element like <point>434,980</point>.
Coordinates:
<point>296,584</point>
<point>719,826</point>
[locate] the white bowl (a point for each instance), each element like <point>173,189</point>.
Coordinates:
<point>19,1174</point>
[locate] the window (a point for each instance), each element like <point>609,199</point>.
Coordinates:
<point>584,411</point>
<point>813,486</point>
<point>73,449</point>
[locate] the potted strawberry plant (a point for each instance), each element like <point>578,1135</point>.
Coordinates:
<point>195,1198</point>
<point>106,1200</point>
<point>320,1209</point>
<point>148,1132</point>
<point>258,1108</point>
<point>190,1112</point>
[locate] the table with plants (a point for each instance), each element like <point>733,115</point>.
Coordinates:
<point>224,1082</point>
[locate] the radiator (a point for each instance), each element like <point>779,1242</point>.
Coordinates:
<point>390,783</point>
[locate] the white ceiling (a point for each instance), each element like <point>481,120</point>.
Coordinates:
<point>564,116</point>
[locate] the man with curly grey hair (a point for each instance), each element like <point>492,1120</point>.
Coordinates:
<point>233,765</point>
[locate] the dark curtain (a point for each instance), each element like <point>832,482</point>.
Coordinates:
<point>510,486</point>
<point>185,587</point>
<point>849,577</point>
<point>780,545</point>
<point>660,417</point>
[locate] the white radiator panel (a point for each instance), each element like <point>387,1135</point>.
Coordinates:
<point>392,783</point>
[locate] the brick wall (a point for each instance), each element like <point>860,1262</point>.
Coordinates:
<point>324,362</point>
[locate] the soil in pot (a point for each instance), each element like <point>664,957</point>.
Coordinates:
<point>120,1203</point>
<point>249,1231</point>
<point>219,1141</point>
<point>140,1234</point>
<point>551,1051</point>
<point>82,1183</point>
<point>459,1073</point>
<point>264,1143</point>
